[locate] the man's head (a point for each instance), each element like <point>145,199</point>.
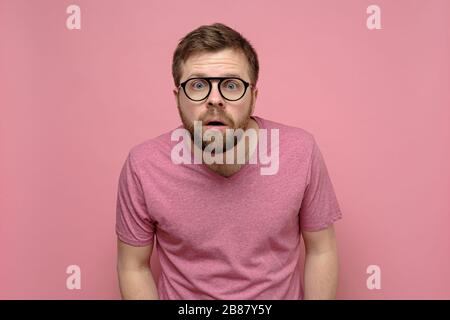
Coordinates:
<point>215,51</point>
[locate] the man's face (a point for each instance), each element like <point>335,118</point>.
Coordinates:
<point>233,114</point>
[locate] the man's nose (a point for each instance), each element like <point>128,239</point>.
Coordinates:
<point>215,98</point>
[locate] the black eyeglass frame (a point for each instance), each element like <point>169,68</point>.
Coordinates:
<point>221,79</point>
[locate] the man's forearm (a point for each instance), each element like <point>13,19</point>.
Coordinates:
<point>321,275</point>
<point>137,284</point>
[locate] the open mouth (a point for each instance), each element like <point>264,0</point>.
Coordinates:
<point>215,123</point>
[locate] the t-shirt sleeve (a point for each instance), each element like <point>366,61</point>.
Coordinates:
<point>319,207</point>
<point>134,225</point>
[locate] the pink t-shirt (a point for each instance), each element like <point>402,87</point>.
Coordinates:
<point>221,237</point>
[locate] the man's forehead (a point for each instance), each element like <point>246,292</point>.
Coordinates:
<point>228,55</point>
<point>225,63</point>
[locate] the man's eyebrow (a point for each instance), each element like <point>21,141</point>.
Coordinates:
<point>205,75</point>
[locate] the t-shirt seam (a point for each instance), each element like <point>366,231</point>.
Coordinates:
<point>337,214</point>
<point>128,240</point>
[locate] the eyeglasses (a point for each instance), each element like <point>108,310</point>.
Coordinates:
<point>230,89</point>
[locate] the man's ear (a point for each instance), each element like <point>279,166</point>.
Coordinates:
<point>175,94</point>
<point>255,96</point>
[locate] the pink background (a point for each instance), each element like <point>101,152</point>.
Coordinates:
<point>73,102</point>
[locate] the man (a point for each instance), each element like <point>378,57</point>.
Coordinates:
<point>224,230</point>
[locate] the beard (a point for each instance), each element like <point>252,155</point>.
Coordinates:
<point>226,119</point>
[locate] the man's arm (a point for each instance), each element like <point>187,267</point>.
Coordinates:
<point>133,268</point>
<point>321,264</point>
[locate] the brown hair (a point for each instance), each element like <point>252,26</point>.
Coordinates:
<point>213,38</point>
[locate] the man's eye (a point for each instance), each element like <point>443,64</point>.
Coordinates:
<point>231,85</point>
<point>198,85</point>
